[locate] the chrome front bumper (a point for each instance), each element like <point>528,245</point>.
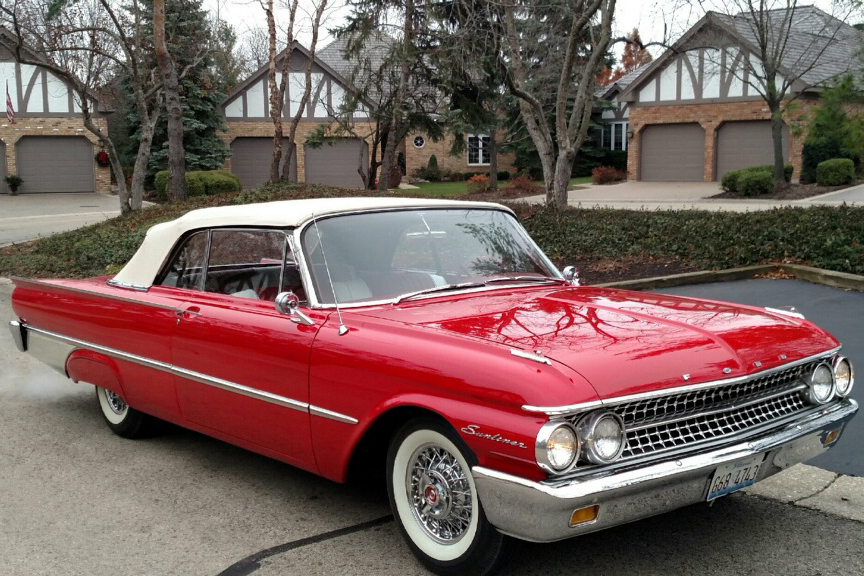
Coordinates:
<point>540,511</point>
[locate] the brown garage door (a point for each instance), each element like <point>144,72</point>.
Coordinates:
<point>3,188</point>
<point>251,157</point>
<point>335,163</point>
<point>672,153</point>
<point>55,164</point>
<point>743,144</point>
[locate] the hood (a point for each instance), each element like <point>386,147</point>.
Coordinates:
<point>625,342</point>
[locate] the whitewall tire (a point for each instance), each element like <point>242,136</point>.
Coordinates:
<point>121,418</point>
<point>434,500</point>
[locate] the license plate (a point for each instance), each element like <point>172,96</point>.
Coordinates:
<point>732,477</point>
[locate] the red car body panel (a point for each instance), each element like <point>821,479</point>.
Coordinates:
<point>450,355</point>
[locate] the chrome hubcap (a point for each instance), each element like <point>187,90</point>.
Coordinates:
<point>117,405</point>
<point>439,493</point>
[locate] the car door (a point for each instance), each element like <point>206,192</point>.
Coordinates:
<point>241,368</point>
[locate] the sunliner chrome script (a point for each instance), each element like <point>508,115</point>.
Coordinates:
<point>474,430</point>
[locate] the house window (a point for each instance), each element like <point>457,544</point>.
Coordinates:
<point>614,136</point>
<point>478,150</point>
<point>419,142</point>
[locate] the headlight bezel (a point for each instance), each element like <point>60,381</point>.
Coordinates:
<point>587,428</point>
<point>843,393</point>
<point>541,446</point>
<point>811,396</point>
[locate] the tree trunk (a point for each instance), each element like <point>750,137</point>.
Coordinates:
<point>171,89</point>
<point>396,134</point>
<point>275,104</point>
<point>493,161</point>
<point>777,139</point>
<point>139,173</point>
<point>563,168</point>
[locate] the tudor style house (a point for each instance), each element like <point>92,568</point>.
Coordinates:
<point>250,129</point>
<point>695,113</point>
<point>46,144</point>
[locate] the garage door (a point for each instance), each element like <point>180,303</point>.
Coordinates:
<point>55,164</point>
<point>3,188</point>
<point>251,157</point>
<point>743,144</point>
<point>335,163</point>
<point>672,153</point>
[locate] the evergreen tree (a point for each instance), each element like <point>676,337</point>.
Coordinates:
<point>192,46</point>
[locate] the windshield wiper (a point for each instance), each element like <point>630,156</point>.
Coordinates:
<point>541,279</point>
<point>443,288</point>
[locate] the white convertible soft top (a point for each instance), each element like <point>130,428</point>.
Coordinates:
<point>142,269</point>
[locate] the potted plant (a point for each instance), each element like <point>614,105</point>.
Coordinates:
<point>14,182</point>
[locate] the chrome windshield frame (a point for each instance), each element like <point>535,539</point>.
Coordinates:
<point>312,294</point>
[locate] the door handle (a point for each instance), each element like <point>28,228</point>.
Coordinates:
<point>191,311</point>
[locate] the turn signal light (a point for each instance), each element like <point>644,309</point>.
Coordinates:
<point>584,515</point>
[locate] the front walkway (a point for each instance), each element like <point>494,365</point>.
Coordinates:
<point>687,196</point>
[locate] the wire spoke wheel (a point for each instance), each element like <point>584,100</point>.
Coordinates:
<point>439,493</point>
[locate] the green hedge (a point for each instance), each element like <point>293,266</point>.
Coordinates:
<point>200,183</point>
<point>729,181</point>
<point>835,172</point>
<point>756,184</point>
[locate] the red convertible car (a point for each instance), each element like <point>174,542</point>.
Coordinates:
<point>436,343</point>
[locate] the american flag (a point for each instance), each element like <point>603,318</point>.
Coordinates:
<point>10,110</point>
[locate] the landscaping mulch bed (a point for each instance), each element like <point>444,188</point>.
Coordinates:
<point>788,192</point>
<point>603,271</point>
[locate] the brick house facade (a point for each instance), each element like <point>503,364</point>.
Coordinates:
<point>47,144</point>
<point>696,112</point>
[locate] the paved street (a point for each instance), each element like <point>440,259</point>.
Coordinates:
<point>838,311</point>
<point>29,216</point>
<point>687,195</point>
<point>76,499</point>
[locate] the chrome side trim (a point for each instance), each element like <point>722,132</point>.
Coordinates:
<point>530,356</point>
<point>197,377</point>
<point>570,409</point>
<point>93,293</point>
<point>128,286</point>
<point>330,415</point>
<point>791,312</point>
<point>19,335</point>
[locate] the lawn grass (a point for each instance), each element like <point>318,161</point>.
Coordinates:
<point>456,189</point>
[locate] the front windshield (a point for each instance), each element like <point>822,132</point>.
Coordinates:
<point>384,255</point>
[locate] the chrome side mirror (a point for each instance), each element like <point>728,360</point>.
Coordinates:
<point>571,275</point>
<point>288,303</point>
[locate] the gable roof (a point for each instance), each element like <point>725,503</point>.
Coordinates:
<point>255,76</point>
<point>814,37</point>
<point>613,88</point>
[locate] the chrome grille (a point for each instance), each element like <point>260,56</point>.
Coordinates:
<point>679,420</point>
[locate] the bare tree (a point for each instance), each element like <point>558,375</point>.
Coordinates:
<point>586,41</point>
<point>785,50</point>
<point>254,50</point>
<point>278,89</point>
<point>174,110</point>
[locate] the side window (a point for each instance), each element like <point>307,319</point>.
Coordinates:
<point>186,269</point>
<point>246,263</point>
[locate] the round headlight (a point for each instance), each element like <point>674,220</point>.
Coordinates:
<point>844,376</point>
<point>602,434</point>
<point>821,384</point>
<point>557,447</point>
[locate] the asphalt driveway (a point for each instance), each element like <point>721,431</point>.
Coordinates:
<point>30,216</point>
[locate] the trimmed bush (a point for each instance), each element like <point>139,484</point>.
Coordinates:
<point>525,185</point>
<point>729,181</point>
<point>607,175</point>
<point>816,151</point>
<point>835,172</point>
<point>503,176</point>
<point>756,183</point>
<point>478,183</point>
<point>200,183</point>
<point>395,177</point>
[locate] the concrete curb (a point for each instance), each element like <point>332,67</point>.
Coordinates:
<point>816,489</point>
<point>815,275</point>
